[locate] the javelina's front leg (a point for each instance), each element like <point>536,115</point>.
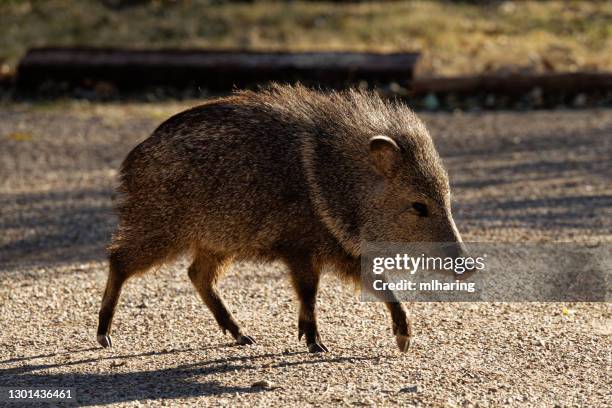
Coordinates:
<point>305,279</point>
<point>402,325</point>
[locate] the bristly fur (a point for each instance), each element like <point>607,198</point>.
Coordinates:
<point>284,173</point>
<point>289,120</point>
<point>353,116</point>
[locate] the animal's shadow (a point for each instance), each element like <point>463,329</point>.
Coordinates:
<point>182,381</point>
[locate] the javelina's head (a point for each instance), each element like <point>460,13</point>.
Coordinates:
<point>373,171</point>
<point>410,199</point>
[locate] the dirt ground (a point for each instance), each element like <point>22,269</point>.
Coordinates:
<point>516,176</point>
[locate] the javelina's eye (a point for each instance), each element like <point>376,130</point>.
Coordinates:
<point>421,209</point>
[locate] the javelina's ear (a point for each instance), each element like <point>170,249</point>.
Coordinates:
<point>385,154</point>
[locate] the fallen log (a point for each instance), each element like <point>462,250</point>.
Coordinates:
<point>131,70</point>
<point>514,85</point>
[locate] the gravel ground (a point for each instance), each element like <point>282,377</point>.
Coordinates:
<point>537,176</point>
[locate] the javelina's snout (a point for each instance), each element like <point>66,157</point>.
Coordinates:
<point>452,246</point>
<point>460,253</point>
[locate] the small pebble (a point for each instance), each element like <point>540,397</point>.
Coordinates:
<point>261,384</point>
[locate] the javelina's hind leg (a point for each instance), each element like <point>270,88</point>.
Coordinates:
<point>203,272</point>
<point>114,283</point>
<point>305,279</point>
<point>124,261</point>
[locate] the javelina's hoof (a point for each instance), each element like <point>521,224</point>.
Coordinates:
<point>105,340</point>
<point>317,348</point>
<point>403,342</point>
<point>244,340</point>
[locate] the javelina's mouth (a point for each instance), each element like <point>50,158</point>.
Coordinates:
<point>465,275</point>
<point>458,251</point>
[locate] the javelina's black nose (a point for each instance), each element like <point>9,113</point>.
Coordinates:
<point>456,250</point>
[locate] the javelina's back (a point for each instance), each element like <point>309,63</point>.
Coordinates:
<point>226,175</point>
<point>238,174</point>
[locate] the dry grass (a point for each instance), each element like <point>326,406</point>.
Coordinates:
<point>455,38</point>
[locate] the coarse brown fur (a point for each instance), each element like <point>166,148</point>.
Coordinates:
<point>287,173</point>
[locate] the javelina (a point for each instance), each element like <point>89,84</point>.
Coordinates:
<point>286,174</point>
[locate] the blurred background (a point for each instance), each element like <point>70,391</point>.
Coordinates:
<point>454,37</point>
<point>524,39</point>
